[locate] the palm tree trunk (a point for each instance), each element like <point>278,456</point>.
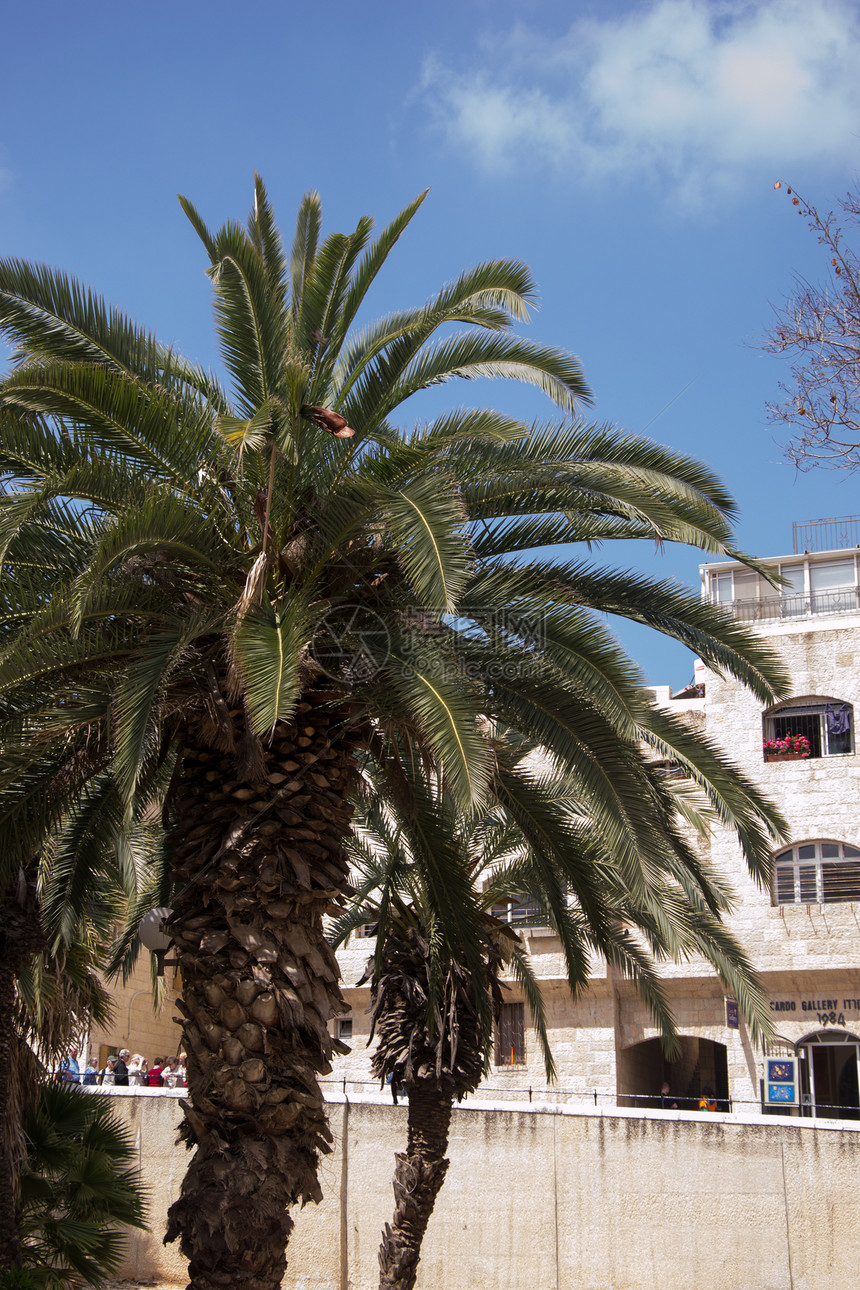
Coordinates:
<point>10,1249</point>
<point>20,938</point>
<point>257,864</point>
<point>418,1176</point>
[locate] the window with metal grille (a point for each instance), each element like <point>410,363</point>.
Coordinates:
<point>817,873</point>
<point>519,911</point>
<point>510,1036</point>
<point>828,724</point>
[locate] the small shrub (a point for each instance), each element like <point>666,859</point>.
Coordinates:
<point>18,1279</point>
<point>79,1190</point>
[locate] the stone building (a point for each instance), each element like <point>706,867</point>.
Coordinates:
<point>803,935</point>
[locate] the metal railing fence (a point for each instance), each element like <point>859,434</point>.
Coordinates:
<point>843,600</point>
<point>826,535</point>
<point>607,1102</point>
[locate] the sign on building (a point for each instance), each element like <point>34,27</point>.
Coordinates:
<point>780,1082</point>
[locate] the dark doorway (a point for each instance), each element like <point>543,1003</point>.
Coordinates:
<point>829,1075</point>
<point>643,1069</point>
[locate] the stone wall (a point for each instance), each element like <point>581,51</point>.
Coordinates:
<point>549,1198</point>
<point>136,1024</point>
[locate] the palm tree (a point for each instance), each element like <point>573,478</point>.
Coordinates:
<point>435,986</point>
<point>56,997</point>
<point>235,592</point>
<point>21,938</point>
<point>56,921</point>
<point>436,983</point>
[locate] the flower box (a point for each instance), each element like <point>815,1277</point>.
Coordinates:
<point>788,747</point>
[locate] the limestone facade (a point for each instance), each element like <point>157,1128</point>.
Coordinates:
<point>807,952</point>
<point>141,1022</point>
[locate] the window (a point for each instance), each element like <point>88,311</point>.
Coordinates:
<point>519,911</point>
<point>828,724</point>
<point>832,587</point>
<point>510,1036</point>
<point>817,873</point>
<point>365,931</point>
<point>810,586</point>
<point>670,769</point>
<point>344,1028</point>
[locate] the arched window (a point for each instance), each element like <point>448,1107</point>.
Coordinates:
<point>817,873</point>
<point>828,724</point>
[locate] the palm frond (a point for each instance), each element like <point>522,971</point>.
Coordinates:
<point>46,313</point>
<point>427,522</point>
<point>267,650</point>
<point>449,717</point>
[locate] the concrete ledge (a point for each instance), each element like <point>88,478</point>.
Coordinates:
<point>335,1097</point>
<point>339,1098</point>
<point>135,1090</point>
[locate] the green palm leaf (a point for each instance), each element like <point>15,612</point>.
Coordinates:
<point>427,523</point>
<point>449,716</point>
<point>267,648</point>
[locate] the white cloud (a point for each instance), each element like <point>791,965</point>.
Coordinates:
<point>695,91</point>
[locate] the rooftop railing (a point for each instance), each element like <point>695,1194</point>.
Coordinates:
<point>826,535</point>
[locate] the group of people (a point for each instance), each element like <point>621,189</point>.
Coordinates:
<point>707,1100</point>
<point>126,1070</point>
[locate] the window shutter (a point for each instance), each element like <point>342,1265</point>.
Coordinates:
<point>511,1036</point>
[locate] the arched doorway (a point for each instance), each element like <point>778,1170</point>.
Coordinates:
<point>642,1069</point>
<point>829,1082</point>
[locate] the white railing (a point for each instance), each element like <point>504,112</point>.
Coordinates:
<point>843,600</point>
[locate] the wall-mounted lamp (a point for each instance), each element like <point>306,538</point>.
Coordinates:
<point>154,937</point>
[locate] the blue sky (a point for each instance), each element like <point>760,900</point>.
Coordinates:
<point>627,152</point>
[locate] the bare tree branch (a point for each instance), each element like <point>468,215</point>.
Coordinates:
<point>818,330</point>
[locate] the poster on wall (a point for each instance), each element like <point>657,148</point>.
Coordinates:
<point>780,1082</point>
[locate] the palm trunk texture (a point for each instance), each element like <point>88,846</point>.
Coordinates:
<point>257,865</point>
<point>10,1248</point>
<point>418,1176</point>
<point>21,938</point>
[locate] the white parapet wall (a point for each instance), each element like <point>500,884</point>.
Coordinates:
<point>558,1198</point>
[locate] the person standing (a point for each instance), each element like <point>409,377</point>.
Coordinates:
<point>120,1070</point>
<point>137,1070</point>
<point>69,1068</point>
<point>91,1074</point>
<point>153,1077</point>
<point>708,1100</point>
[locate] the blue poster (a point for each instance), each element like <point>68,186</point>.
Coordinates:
<point>781,1082</point>
<point>780,1093</point>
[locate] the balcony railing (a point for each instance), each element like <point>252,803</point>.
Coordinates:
<point>826,535</point>
<point>844,600</point>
